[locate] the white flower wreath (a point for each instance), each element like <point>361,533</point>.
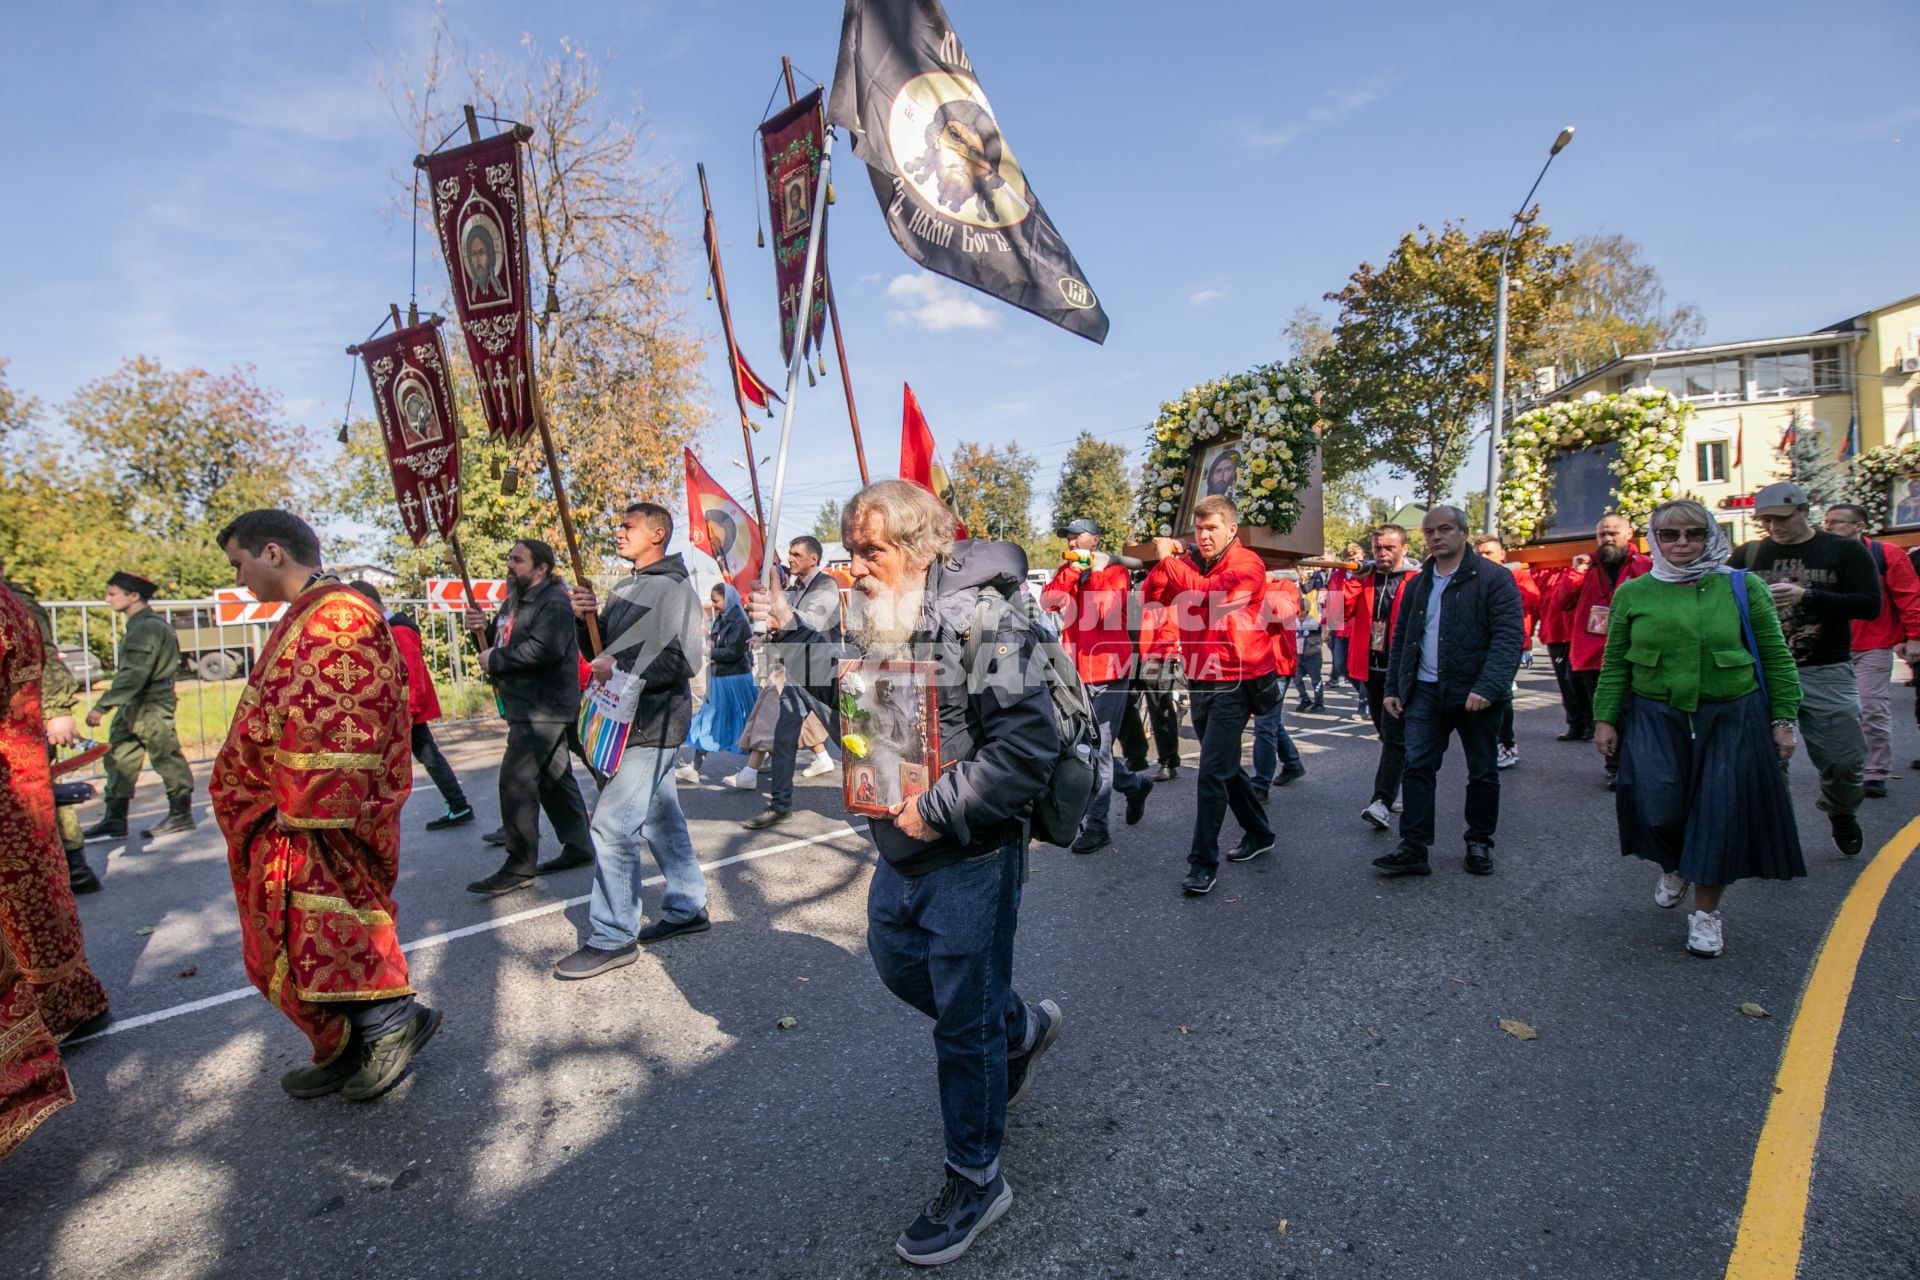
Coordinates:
<point>1650,425</point>
<point>1270,411</point>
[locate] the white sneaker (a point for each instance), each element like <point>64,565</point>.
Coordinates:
<point>686,773</point>
<point>820,765</point>
<point>1670,889</point>
<point>745,780</point>
<point>1376,816</point>
<point>1509,757</point>
<point>1703,934</point>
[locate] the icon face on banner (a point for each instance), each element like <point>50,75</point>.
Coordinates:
<point>796,204</point>
<point>481,257</point>
<point>947,144</point>
<point>419,425</point>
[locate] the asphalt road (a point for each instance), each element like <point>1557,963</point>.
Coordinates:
<point>1300,1075</point>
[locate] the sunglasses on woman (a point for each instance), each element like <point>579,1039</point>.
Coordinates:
<point>1671,536</point>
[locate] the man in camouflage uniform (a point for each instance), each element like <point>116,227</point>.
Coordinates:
<point>59,693</point>
<point>143,699</point>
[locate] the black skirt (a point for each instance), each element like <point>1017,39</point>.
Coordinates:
<point>1703,794</point>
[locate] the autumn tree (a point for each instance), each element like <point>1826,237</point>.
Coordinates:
<point>17,412</point>
<point>826,521</point>
<point>1409,374</point>
<point>1093,484</point>
<point>992,491</point>
<point>1608,301</point>
<point>619,364</point>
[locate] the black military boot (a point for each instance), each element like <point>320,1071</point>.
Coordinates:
<point>80,877</point>
<point>112,825</point>
<point>179,817</point>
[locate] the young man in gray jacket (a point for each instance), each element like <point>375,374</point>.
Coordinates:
<point>945,896</point>
<point>652,629</point>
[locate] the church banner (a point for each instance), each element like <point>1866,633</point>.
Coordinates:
<point>790,144</point>
<point>477,214</point>
<point>955,199</point>
<point>413,396</point>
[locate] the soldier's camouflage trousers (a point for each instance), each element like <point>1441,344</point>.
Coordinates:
<point>145,733</point>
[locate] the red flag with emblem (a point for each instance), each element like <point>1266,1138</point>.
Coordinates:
<point>920,459</point>
<point>721,528</point>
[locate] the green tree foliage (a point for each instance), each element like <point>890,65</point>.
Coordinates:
<point>826,522</point>
<point>1307,334</point>
<point>1608,299</point>
<point>1094,483</point>
<point>156,461</point>
<point>1347,514</point>
<point>992,490</point>
<point>1812,462</point>
<point>1409,374</point>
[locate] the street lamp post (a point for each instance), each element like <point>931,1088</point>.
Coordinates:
<point>1500,341</point>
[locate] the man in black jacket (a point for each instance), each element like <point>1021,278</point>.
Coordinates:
<point>945,896</point>
<point>533,658</point>
<point>810,654</point>
<point>1454,656</point>
<point>651,629</point>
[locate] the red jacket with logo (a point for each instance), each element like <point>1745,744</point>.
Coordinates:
<point>1282,614</point>
<point>1360,597</point>
<point>1581,592</point>
<point>1899,619</point>
<point>1216,610</point>
<point>1093,608</point>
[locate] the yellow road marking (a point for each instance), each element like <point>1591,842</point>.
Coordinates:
<point>1773,1223</point>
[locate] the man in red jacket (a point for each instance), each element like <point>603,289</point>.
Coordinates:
<point>1586,597</point>
<point>1090,594</point>
<point>1373,609</point>
<point>1214,593</point>
<point>1896,630</point>
<point>423,704</point>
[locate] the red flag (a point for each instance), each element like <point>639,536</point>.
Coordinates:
<point>920,459</point>
<point>720,527</point>
<point>1739,438</point>
<point>753,388</point>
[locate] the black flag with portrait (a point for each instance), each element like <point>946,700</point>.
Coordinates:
<point>954,197</point>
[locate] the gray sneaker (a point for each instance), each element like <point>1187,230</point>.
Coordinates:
<point>591,962</point>
<point>952,1219</point>
<point>1021,1070</point>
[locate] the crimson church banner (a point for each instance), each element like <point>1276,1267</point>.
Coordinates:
<point>477,214</point>
<point>954,197</point>
<point>790,142</point>
<point>414,398</point>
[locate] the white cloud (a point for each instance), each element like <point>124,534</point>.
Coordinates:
<point>1335,107</point>
<point>1201,297</point>
<point>936,305</point>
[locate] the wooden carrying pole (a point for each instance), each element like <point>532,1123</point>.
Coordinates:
<point>833,318</point>
<point>553,457</point>
<point>733,348</point>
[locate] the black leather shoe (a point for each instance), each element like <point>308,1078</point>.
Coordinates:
<point>1168,772</point>
<point>661,930</point>
<point>498,883</point>
<point>1404,862</point>
<point>1876,789</point>
<point>1479,860</point>
<point>1291,773</point>
<point>1571,735</point>
<point>767,818</point>
<point>1199,880</point>
<point>1087,842</point>
<point>1251,848</point>
<point>1847,836</point>
<point>565,862</point>
<point>1137,802</point>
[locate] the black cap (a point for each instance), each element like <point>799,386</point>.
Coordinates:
<point>1082,525</point>
<point>133,582</point>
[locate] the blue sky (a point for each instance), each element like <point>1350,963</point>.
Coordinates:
<point>213,183</point>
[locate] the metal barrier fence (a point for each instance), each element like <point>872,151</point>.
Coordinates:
<point>215,658</point>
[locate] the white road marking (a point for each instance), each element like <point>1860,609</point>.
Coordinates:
<point>440,939</point>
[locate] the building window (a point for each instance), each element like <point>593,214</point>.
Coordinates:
<point>1797,373</point>
<point>1710,461</point>
<point>1703,382</point>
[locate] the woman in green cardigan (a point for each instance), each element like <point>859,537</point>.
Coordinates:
<point>1699,704</point>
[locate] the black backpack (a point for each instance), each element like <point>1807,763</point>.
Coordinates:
<point>1059,809</point>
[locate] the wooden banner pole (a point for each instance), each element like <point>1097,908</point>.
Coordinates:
<point>733,348</point>
<point>833,318</point>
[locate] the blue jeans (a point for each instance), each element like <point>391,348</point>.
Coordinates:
<point>1272,748</point>
<point>1428,727</point>
<point>640,802</point>
<point>943,942</point>
<point>1110,775</point>
<point>1220,709</point>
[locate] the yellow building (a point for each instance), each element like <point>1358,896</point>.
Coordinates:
<point>1864,370</point>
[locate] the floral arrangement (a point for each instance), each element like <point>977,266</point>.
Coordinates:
<point>1870,478</point>
<point>1649,423</point>
<point>1270,414</point>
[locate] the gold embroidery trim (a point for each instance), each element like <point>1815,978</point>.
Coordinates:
<point>329,759</point>
<point>338,906</point>
<point>280,968</point>
<point>316,824</point>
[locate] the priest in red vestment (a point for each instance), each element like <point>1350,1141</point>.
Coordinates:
<point>37,913</point>
<point>33,1084</point>
<point>308,791</point>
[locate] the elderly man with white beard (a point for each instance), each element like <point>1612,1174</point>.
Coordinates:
<point>945,897</point>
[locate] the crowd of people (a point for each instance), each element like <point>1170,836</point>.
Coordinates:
<point>1695,670</point>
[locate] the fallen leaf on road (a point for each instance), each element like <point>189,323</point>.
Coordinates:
<point>1518,1030</point>
<point>190,970</point>
<point>144,930</point>
<point>787,1024</point>
<point>1283,1226</point>
<point>1183,1031</point>
<point>1753,1010</point>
